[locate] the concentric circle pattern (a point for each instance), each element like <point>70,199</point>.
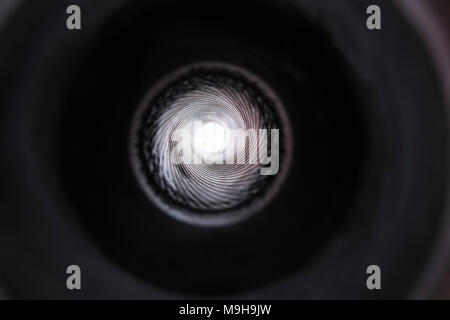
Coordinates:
<point>186,153</point>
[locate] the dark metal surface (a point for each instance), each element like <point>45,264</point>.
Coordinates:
<point>370,113</point>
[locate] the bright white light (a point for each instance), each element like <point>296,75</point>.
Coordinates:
<point>210,137</point>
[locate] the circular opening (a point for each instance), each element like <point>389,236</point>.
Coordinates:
<point>293,223</point>
<point>210,144</point>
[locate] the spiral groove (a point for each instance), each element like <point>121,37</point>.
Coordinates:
<point>206,103</point>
